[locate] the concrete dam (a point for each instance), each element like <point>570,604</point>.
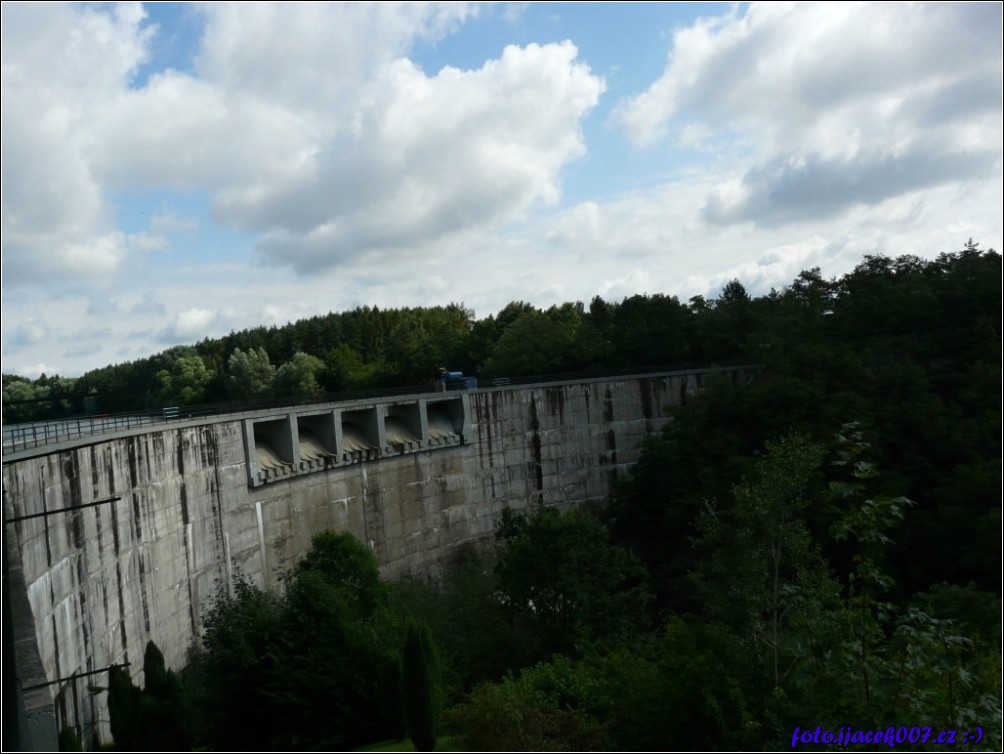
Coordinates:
<point>113,540</point>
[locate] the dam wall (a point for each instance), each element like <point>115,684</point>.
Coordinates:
<point>127,538</point>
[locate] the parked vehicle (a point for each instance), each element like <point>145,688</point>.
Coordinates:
<point>448,380</point>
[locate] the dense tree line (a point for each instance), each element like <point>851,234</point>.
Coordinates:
<point>934,313</point>
<point>363,348</point>
<point>909,349</point>
<point>884,319</point>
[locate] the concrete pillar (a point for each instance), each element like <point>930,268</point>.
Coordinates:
<point>251,454</point>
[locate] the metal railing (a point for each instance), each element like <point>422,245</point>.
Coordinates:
<point>33,434</point>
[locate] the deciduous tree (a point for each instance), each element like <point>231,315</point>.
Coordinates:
<point>250,373</point>
<point>559,573</point>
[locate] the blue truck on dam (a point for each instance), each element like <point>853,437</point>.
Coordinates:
<point>448,380</point>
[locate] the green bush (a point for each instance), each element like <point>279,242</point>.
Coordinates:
<point>507,716</point>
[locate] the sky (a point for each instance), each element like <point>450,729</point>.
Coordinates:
<point>176,171</point>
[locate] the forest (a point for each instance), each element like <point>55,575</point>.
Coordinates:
<point>818,548</point>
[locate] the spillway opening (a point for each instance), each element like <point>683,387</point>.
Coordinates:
<point>273,449</point>
<point>312,451</point>
<point>403,428</point>
<point>360,439</point>
<point>317,441</point>
<point>446,422</point>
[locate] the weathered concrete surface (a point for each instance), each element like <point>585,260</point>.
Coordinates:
<point>29,716</point>
<point>104,580</point>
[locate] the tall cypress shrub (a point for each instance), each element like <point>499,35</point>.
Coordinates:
<point>151,718</point>
<point>124,701</point>
<point>420,681</point>
<point>161,706</point>
<point>69,740</point>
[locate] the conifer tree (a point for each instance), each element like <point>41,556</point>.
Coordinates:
<point>420,682</point>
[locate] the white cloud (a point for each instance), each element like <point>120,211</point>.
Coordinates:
<point>29,331</point>
<point>187,133</point>
<point>846,103</point>
<point>148,242</point>
<point>168,221</point>
<point>88,343</point>
<point>437,284</point>
<point>425,157</point>
<point>74,127</point>
<point>314,55</point>
<point>98,49</point>
<point>60,62</point>
<point>657,224</point>
<point>774,268</point>
<point>189,326</point>
<point>36,370</point>
<point>785,190</point>
<point>636,281</point>
<point>147,305</point>
<point>326,156</point>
